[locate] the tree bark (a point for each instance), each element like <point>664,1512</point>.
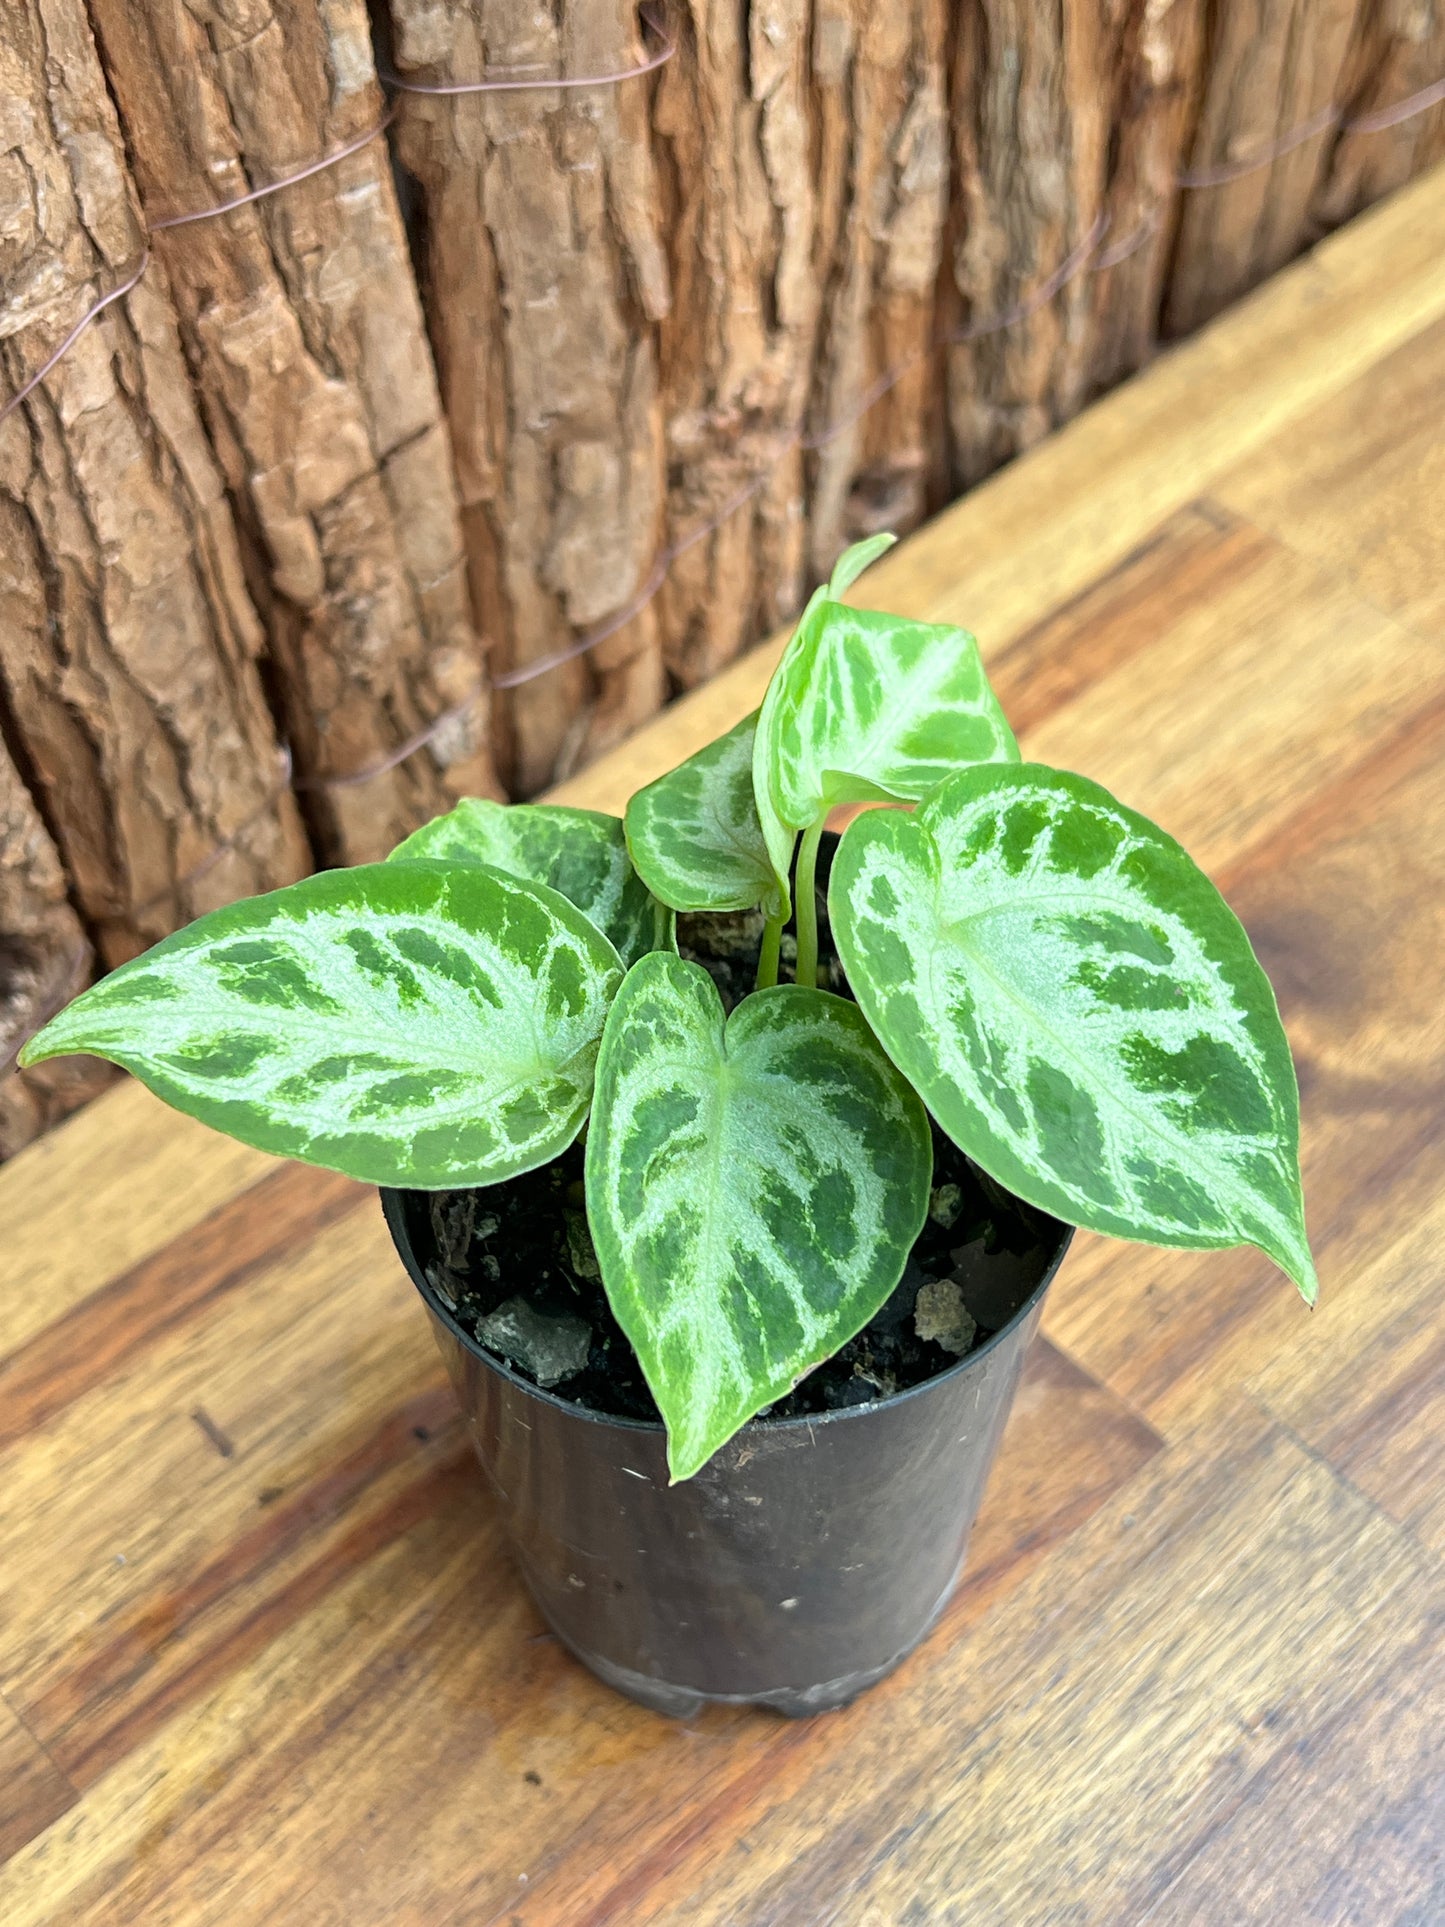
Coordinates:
<point>305,333</point>
<point>1157,89</point>
<point>805,157</point>
<point>732,121</point>
<point>130,643</point>
<point>1033,105</point>
<point>880,87</point>
<point>544,276</point>
<point>1270,67</point>
<point>1398,48</point>
<point>44,958</point>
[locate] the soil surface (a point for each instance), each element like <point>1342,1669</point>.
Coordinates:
<point>514,1262</point>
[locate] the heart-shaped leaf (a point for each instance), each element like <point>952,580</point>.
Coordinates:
<point>754,1186</point>
<point>1080,1009</point>
<point>581,853</point>
<point>421,1024</point>
<point>694,834</point>
<point>866,706</point>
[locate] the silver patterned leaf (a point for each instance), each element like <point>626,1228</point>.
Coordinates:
<point>866,707</point>
<point>754,1185</point>
<point>421,1024</point>
<point>1079,1008</point>
<point>694,834</point>
<point>582,853</point>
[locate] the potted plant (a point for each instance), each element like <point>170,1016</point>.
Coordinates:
<point>733,1200</point>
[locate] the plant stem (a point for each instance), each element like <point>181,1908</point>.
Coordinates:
<point>806,905</point>
<point>768,955</point>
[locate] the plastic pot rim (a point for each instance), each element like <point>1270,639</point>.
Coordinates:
<point>392,1210</point>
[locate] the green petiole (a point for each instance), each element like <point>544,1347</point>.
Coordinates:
<point>768,955</point>
<point>806,904</point>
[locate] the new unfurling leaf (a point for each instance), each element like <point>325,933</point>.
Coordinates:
<point>866,706</point>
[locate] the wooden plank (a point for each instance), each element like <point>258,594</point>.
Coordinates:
<point>33,1790</point>
<point>1341,1830</point>
<point>1357,483</point>
<point>89,1344</point>
<point>232,1461</point>
<point>1368,1388</point>
<point>1229,712</point>
<point>97,1196</point>
<point>341,1768</point>
<point>1118,617</point>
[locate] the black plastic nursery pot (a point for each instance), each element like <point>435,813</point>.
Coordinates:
<point>798,1567</point>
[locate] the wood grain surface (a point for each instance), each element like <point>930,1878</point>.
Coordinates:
<point>263,1657</point>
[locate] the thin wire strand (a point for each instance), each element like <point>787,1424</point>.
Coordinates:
<point>520,83</point>
<point>1307,130</point>
<point>285,180</point>
<point>1131,244</point>
<point>1227,171</point>
<point>96,308</point>
<point>1402,110</point>
<point>418,740</point>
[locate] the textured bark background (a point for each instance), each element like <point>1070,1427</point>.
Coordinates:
<point>44,957</point>
<point>130,689</point>
<point>304,332</point>
<point>436,413</point>
<point>545,279</point>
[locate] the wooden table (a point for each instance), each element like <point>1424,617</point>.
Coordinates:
<point>263,1658</point>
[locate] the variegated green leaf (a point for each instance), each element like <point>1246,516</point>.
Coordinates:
<point>754,1185</point>
<point>1079,1008</point>
<point>582,853</point>
<point>423,1024</point>
<point>867,706</point>
<point>694,834</point>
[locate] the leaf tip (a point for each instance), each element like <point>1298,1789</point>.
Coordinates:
<point>43,1045</point>
<point>682,1467</point>
<point>1297,1263</point>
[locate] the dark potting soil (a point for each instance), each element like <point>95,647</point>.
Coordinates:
<point>976,1260</point>
<point>514,1262</point>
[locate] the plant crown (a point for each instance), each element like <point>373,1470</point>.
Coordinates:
<point>1042,968</point>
